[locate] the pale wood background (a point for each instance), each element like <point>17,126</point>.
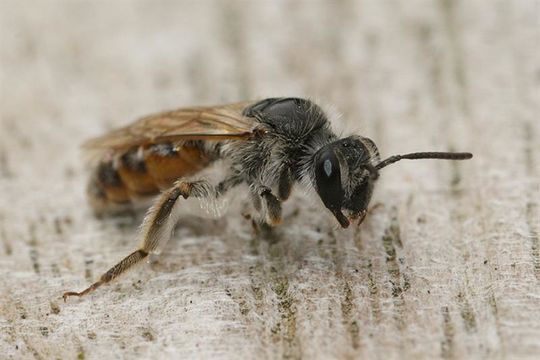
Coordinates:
<point>447,267</point>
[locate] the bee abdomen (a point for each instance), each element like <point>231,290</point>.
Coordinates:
<point>119,181</point>
<point>106,191</point>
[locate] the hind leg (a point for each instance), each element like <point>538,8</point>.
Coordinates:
<point>158,226</point>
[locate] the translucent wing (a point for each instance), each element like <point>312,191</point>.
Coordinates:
<point>197,123</point>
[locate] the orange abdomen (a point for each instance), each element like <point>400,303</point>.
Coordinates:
<point>141,172</point>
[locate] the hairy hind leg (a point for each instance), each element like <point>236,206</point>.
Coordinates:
<point>157,227</point>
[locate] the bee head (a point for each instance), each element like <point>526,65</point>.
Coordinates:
<point>345,174</point>
<point>346,171</point>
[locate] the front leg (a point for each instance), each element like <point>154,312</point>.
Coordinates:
<point>158,226</point>
<point>285,183</point>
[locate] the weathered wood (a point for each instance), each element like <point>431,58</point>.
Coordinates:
<point>448,266</point>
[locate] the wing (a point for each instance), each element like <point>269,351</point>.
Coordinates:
<point>197,123</point>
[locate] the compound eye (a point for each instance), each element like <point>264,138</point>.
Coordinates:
<point>328,180</point>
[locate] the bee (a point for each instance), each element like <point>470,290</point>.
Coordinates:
<point>270,145</point>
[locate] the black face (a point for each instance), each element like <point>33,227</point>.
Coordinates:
<point>345,177</point>
<point>359,199</point>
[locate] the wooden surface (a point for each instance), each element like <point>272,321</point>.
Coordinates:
<point>447,266</point>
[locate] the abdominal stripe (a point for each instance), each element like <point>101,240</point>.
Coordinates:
<point>140,172</point>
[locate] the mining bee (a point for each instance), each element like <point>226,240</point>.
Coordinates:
<point>268,146</point>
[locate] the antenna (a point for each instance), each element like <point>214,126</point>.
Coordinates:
<point>425,155</point>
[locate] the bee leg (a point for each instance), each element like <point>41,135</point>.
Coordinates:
<point>285,183</point>
<point>156,230</point>
<point>272,206</point>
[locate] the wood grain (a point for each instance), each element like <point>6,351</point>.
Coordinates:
<point>446,266</point>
